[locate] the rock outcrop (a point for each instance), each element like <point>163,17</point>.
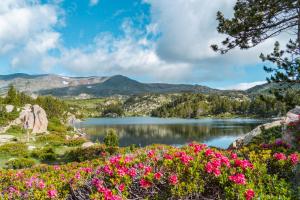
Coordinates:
<point>246,139</point>
<point>291,117</point>
<point>34,118</point>
<point>6,138</point>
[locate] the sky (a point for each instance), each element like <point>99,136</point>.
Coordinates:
<point>147,40</point>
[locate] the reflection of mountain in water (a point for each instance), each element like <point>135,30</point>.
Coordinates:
<point>145,134</point>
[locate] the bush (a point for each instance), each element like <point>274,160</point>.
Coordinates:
<point>14,149</point>
<point>56,126</point>
<point>16,130</point>
<point>90,153</point>
<point>54,139</point>
<point>113,109</point>
<point>44,154</point>
<point>111,139</point>
<point>19,163</point>
<point>75,142</point>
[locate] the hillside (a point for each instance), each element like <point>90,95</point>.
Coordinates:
<point>267,87</point>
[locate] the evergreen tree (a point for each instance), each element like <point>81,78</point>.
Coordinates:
<point>12,96</point>
<point>255,21</point>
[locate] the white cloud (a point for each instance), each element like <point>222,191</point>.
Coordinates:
<point>244,86</point>
<point>27,32</point>
<point>131,55</point>
<point>21,20</point>
<point>188,29</point>
<point>94,2</point>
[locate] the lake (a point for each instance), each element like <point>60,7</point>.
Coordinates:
<point>144,131</point>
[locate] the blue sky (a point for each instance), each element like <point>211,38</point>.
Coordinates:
<point>148,40</point>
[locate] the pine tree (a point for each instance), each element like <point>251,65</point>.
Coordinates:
<point>254,22</point>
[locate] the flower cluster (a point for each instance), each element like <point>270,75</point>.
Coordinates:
<point>149,172</point>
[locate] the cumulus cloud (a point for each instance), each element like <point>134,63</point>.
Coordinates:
<point>27,31</point>
<point>188,29</point>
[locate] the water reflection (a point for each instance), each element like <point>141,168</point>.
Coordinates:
<point>170,131</point>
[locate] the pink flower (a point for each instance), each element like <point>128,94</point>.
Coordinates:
<point>244,164</point>
<point>168,157</point>
<point>173,179</point>
<point>77,175</point>
<point>151,153</point>
<point>106,169</point>
<point>56,167</point>
<point>217,172</point>
<point>249,194</point>
<point>233,155</point>
<point>197,147</point>
<point>41,184</point>
<point>213,167</point>
<point>294,158</point>
<point>279,156</point>
<point>185,159</point>
<point>148,169</point>
<point>145,184</point>
<point>52,194</point>
<point>209,167</point>
<point>132,172</point>
<point>87,170</point>
<point>209,152</point>
<point>96,182</point>
<point>238,179</point>
<point>158,175</point>
<point>122,187</point>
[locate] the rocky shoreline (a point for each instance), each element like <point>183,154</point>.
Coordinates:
<point>292,116</point>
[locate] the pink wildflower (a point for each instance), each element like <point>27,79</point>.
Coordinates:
<point>132,172</point>
<point>52,194</point>
<point>249,194</point>
<point>173,179</point>
<point>279,156</point>
<point>238,179</point>
<point>122,187</point>
<point>41,184</point>
<point>294,159</point>
<point>145,184</point>
<point>158,175</point>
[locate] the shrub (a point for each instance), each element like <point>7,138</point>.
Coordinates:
<point>54,139</point>
<point>111,139</point>
<point>82,154</point>
<point>75,142</point>
<point>19,163</point>
<point>45,154</point>
<point>14,149</point>
<point>15,130</point>
<point>56,126</point>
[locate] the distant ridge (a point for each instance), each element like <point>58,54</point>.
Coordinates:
<point>96,86</point>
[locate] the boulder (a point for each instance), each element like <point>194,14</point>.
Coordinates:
<point>72,120</point>
<point>87,144</point>
<point>7,138</point>
<point>34,118</point>
<point>9,108</point>
<point>293,115</point>
<point>246,139</point>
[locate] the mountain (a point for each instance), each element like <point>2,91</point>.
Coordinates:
<point>94,86</point>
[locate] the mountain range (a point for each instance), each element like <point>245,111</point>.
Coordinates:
<point>94,86</point>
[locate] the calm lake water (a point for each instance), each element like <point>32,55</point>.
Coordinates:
<point>144,131</point>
